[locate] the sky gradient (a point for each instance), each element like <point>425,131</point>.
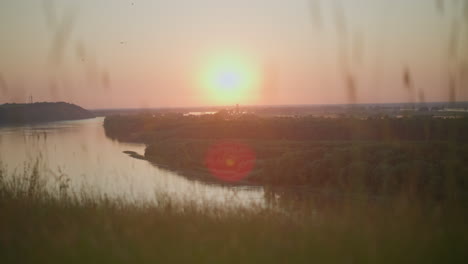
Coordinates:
<point>153,53</point>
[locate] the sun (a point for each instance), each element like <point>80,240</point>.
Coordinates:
<point>230,79</point>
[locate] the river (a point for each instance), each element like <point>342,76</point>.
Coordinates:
<point>95,164</point>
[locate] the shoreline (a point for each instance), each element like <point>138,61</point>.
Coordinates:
<point>204,177</point>
<point>373,156</point>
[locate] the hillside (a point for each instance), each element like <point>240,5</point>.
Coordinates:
<point>41,112</point>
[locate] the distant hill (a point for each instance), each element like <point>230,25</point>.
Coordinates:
<point>41,112</point>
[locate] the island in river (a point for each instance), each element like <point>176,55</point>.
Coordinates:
<point>374,155</point>
<point>41,112</point>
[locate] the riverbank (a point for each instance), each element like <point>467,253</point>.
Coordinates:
<point>199,174</point>
<point>425,156</point>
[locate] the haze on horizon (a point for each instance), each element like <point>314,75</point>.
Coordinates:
<point>154,53</point>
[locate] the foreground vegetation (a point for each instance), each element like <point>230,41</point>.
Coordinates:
<point>39,225</point>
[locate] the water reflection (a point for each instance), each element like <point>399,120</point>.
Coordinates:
<point>97,165</point>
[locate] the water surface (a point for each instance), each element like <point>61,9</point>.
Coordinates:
<point>96,164</point>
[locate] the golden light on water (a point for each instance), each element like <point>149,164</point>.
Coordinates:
<point>230,79</point>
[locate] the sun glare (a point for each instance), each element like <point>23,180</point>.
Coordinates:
<point>230,79</point>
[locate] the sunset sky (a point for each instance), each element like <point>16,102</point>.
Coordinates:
<point>155,53</point>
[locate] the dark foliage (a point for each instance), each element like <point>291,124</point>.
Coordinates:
<point>417,156</point>
<point>41,112</point>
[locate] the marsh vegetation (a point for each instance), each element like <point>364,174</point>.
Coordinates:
<point>376,156</point>
<point>51,227</point>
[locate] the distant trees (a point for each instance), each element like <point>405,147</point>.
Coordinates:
<point>156,127</point>
<point>420,156</point>
<point>41,112</point>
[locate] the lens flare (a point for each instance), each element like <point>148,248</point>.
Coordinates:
<point>230,161</point>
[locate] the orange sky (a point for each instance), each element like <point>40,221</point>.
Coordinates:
<point>119,53</point>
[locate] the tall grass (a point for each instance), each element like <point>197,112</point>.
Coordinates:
<point>37,226</point>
